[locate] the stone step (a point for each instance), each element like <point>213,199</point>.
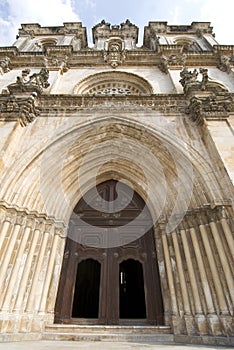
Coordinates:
<point>113,329</point>
<point>150,334</point>
<point>115,337</point>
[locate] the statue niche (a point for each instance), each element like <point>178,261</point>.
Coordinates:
<point>114,54</point>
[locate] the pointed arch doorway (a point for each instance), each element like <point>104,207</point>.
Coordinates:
<point>110,283</point>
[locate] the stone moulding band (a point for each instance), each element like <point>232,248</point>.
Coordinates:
<point>12,208</point>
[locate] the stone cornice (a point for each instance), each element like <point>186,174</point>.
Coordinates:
<point>70,104</point>
<point>13,208</point>
<point>87,57</point>
<point>167,104</point>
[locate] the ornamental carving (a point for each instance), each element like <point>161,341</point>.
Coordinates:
<point>4,65</point>
<point>14,108</point>
<point>226,63</point>
<point>171,61</point>
<point>36,82</point>
<point>189,79</point>
<point>56,63</point>
<point>214,106</point>
<point>114,55</point>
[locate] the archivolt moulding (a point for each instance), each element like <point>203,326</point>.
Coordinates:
<point>108,83</point>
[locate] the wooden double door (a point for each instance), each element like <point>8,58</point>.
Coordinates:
<point>110,281</point>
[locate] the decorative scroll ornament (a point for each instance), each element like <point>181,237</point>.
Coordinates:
<point>226,63</point>
<point>56,63</point>
<point>14,108</point>
<point>29,83</point>
<point>5,65</point>
<point>114,55</point>
<point>171,61</point>
<point>214,106</point>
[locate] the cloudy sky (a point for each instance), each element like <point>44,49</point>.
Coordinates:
<point>139,12</point>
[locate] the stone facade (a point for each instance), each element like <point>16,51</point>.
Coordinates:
<point>161,117</point>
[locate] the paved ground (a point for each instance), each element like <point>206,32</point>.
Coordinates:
<point>61,345</point>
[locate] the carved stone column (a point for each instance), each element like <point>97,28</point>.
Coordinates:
<point>190,325</point>
<point>174,306</point>
<point>177,319</point>
<point>4,227</point>
<point>199,313</point>
<point>8,251</point>
<point>224,262</point>
<point>211,314</point>
<point>35,282</point>
<point>226,229</point>
<point>50,278</point>
<point>223,308</point>
<point>11,290</point>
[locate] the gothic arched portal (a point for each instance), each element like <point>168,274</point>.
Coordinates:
<point>96,282</point>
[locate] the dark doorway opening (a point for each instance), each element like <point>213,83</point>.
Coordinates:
<point>86,295</point>
<point>90,288</point>
<point>131,290</point>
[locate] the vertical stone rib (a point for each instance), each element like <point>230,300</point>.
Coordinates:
<point>183,284</point>
<point>3,231</point>
<point>51,298</point>
<point>26,272</point>
<point>196,296</point>
<point>41,255</point>
<point>228,235</point>
<point>49,273</point>
<point>213,268</point>
<point>223,259</point>
<point>8,254</point>
<point>201,267</point>
<point>10,289</point>
<point>169,275</point>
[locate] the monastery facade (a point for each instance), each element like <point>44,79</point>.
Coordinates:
<point>117,171</point>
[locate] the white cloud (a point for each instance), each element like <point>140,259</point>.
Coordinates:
<point>220,14</point>
<point>174,15</point>
<point>55,12</point>
<point>44,12</point>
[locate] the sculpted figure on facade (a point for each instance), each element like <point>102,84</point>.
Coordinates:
<point>226,63</point>
<point>35,82</point>
<point>4,65</point>
<point>188,78</point>
<point>204,72</point>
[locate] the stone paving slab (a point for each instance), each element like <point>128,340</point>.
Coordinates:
<point>61,345</point>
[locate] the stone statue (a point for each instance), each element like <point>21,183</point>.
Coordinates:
<point>36,82</point>
<point>204,72</point>
<point>188,78</point>
<point>225,64</point>
<point>4,65</point>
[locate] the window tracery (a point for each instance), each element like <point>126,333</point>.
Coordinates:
<point>113,83</point>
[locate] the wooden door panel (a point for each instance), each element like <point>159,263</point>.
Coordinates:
<point>138,248</point>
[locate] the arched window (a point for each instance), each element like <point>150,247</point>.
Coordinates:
<point>188,44</point>
<point>113,83</point>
